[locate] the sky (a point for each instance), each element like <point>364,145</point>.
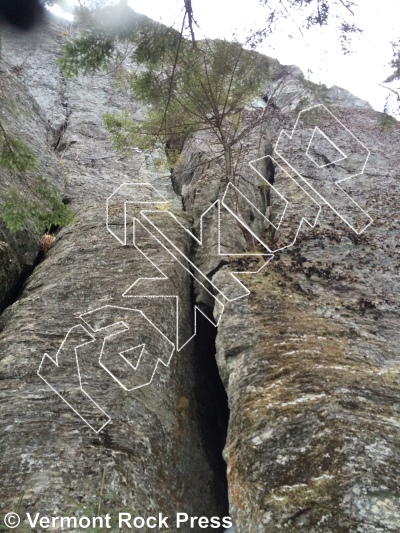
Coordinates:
<point>317,51</point>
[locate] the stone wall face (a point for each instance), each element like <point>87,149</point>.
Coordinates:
<point>308,359</point>
<point>153,454</point>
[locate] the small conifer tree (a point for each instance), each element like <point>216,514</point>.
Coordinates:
<point>187,85</point>
<point>34,198</point>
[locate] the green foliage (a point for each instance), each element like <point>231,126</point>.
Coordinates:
<point>153,44</point>
<point>188,88</point>
<point>124,133</point>
<point>102,27</point>
<point>15,154</point>
<point>35,199</point>
<point>86,54</point>
<point>187,85</point>
<point>42,207</point>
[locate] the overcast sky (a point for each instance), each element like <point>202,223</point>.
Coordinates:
<point>317,52</point>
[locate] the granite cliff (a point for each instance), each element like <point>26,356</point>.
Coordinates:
<point>283,410</point>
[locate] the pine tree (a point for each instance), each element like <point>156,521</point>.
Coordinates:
<point>203,88</point>
<point>188,85</point>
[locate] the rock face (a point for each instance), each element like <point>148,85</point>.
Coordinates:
<point>154,456</point>
<point>21,115</point>
<point>306,345</point>
<point>288,88</point>
<point>310,359</point>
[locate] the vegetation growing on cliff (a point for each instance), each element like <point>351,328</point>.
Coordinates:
<point>34,198</point>
<point>204,88</point>
<point>187,85</point>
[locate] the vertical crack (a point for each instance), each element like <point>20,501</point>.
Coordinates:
<point>14,293</point>
<point>58,131</point>
<point>212,404</point>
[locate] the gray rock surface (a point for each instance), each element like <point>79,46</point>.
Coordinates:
<point>289,89</point>
<point>309,359</point>
<point>20,116</point>
<point>152,456</point>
